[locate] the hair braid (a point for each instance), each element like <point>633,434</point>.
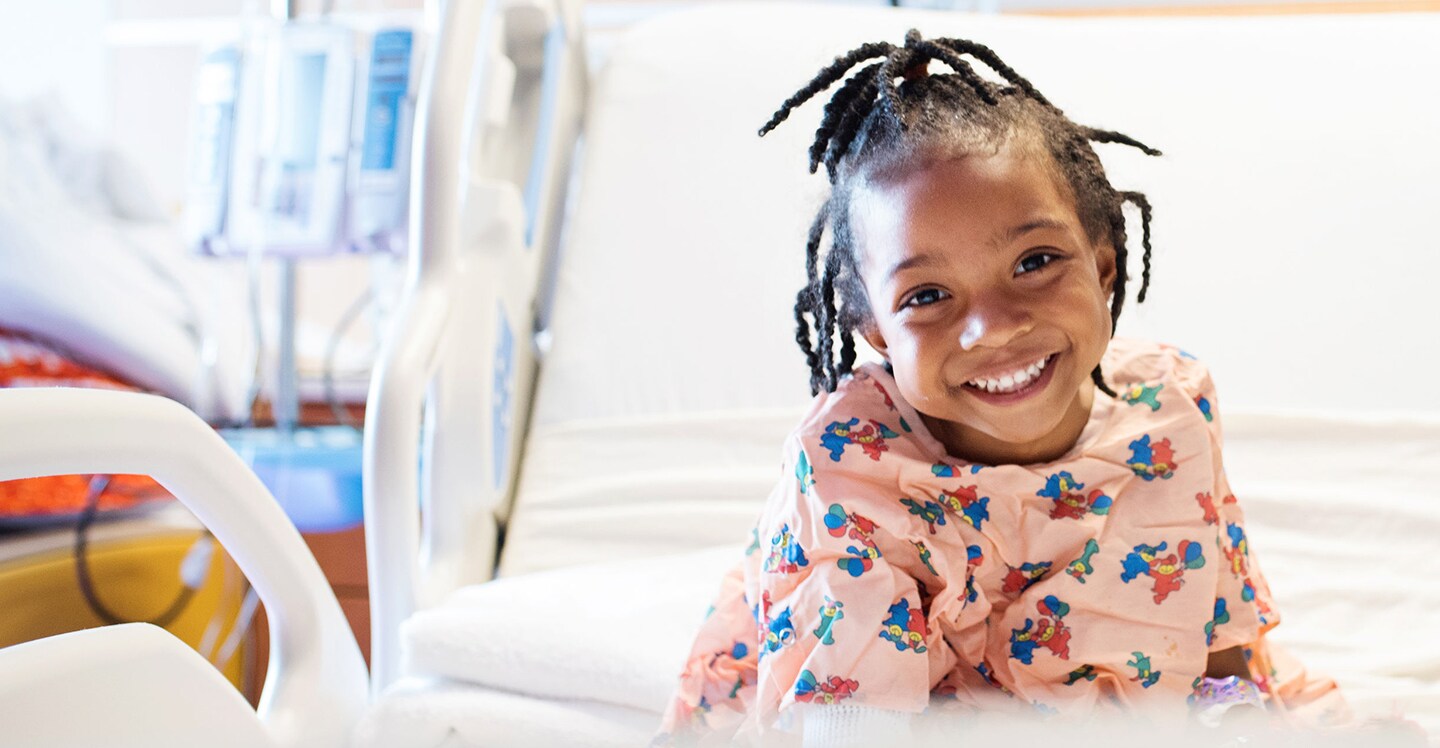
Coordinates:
<point>988,56</point>
<point>961,68</point>
<point>1110,136</point>
<point>828,322</point>
<point>850,123</point>
<point>805,298</point>
<point>836,109</point>
<point>1139,200</point>
<point>827,76</point>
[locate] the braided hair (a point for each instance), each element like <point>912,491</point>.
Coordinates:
<point>871,125</point>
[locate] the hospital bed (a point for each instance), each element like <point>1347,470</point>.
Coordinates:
<point>1293,255</point>
<point>92,262</point>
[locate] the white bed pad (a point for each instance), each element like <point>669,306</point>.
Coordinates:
<point>672,324</point>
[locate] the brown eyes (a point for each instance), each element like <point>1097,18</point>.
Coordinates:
<point>925,296</point>
<point>1029,264</point>
<point>1035,262</point>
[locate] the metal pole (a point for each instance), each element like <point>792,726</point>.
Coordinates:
<point>284,10</point>
<point>287,387</point>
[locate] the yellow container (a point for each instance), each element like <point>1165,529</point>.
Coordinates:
<point>135,577</point>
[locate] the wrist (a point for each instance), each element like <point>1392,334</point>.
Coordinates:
<point>1214,697</point>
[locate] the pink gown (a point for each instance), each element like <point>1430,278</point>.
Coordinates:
<point>887,574</point>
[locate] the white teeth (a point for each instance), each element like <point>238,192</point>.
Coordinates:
<point>1012,381</point>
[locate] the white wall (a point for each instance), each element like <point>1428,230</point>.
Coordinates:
<point>57,45</point>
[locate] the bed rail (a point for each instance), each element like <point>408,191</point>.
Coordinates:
<point>498,118</point>
<point>315,686</point>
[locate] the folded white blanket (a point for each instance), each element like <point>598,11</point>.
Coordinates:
<point>615,633</point>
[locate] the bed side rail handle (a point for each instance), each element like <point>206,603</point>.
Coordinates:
<point>315,687</point>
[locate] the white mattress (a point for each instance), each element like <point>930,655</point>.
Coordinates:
<point>665,397</point>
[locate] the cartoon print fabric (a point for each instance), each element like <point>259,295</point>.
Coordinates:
<point>892,576</point>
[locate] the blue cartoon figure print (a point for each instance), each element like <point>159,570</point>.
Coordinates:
<point>1152,460</point>
<point>779,630</point>
<point>1204,405</point>
<point>1167,571</point>
<point>966,502</point>
<point>839,524</point>
<point>804,473</point>
<point>871,438</point>
<point>1049,632</point>
<point>1220,616</point>
<point>974,557</point>
<point>905,628</point>
<point>1071,502</point>
<point>786,556</point>
<point>941,470</point>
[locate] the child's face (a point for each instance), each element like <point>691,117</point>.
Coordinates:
<point>978,267</point>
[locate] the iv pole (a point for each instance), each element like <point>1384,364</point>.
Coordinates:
<point>287,389</point>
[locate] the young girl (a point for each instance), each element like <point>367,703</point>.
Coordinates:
<point>1015,513</point>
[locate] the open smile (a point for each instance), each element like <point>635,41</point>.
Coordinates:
<point>1015,386</point>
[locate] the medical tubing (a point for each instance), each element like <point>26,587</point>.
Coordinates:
<point>252,293</point>
<point>243,618</point>
<point>98,484</point>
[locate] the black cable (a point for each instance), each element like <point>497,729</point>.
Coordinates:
<point>98,484</point>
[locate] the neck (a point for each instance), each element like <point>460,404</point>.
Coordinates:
<point>972,445</point>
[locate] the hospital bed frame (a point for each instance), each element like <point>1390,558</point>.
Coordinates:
<point>498,119</point>
<point>490,195</point>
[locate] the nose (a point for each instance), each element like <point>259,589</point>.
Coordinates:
<point>992,320</point>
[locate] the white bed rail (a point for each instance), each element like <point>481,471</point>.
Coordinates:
<point>498,116</point>
<point>315,686</point>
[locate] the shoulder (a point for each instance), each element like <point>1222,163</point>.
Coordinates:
<point>1134,362</point>
<point>852,447</point>
<point>862,420</point>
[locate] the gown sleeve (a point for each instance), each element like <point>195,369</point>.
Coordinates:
<point>1244,609</point>
<point>838,623</point>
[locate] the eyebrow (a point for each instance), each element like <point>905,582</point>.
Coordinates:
<point>1015,232</point>
<point>921,260</point>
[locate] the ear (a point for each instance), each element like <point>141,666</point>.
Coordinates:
<point>1105,266</point>
<point>872,336</point>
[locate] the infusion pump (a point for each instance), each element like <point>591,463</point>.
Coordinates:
<point>301,141</point>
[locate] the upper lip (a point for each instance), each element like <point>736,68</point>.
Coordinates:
<point>1009,366</point>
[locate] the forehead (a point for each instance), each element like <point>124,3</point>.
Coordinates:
<point>967,199</point>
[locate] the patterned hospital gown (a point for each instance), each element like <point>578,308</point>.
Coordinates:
<point>886,574</point>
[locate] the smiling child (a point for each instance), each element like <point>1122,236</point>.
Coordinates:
<point>1014,513</point>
